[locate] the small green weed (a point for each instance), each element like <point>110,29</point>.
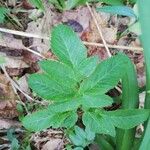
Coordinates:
<point>75,84</point>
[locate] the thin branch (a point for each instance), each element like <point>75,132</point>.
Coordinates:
<point>16,86</point>
<point>24,34</point>
<point>34,52</point>
<point>99,29</point>
<point>114,46</point>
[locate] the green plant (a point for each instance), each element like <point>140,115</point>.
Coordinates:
<point>37,3</point>
<point>12,138</point>
<point>59,4</point>
<point>144,13</point>
<point>69,4</point>
<point>77,85</point>
<point>119,10</point>
<point>3,12</point>
<point>81,138</point>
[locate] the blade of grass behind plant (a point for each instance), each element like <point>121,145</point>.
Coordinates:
<point>125,138</point>
<point>144,13</point>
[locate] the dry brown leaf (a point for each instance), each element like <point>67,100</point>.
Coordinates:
<point>7,123</point>
<point>53,144</point>
<point>11,42</point>
<point>41,27</point>
<point>81,15</point>
<point>22,82</point>
<point>7,99</point>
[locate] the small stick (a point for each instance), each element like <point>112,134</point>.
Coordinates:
<point>24,34</point>
<point>15,85</point>
<point>114,46</point>
<point>34,52</point>
<point>99,30</point>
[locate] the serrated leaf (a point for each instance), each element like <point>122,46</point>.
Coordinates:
<point>68,105</point>
<point>127,119</point>
<point>59,72</point>
<point>89,134</point>
<point>77,140</point>
<point>119,10</point>
<point>67,46</point>
<point>96,101</point>
<point>38,121</point>
<point>44,118</point>
<point>87,66</point>
<point>48,88</point>
<point>98,124</point>
<point>80,132</point>
<point>71,120</point>
<point>59,118</point>
<point>79,137</point>
<point>106,75</point>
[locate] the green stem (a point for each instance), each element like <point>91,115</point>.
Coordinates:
<point>144,14</point>
<point>145,143</point>
<point>130,99</point>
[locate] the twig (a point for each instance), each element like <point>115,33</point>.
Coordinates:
<point>99,30</point>
<point>24,34</point>
<point>114,46</point>
<point>15,85</point>
<point>34,52</point>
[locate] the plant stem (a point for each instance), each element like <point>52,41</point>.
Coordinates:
<point>144,13</point>
<point>130,99</point>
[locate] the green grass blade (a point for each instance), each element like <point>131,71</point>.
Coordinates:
<point>144,13</point>
<point>130,100</point>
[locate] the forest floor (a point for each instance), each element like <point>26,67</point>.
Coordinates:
<point>25,40</point>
